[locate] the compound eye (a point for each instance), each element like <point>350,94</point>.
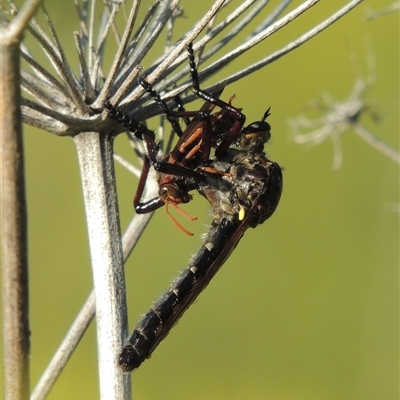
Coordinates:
<point>259,130</point>
<point>255,135</point>
<point>171,193</point>
<point>261,127</point>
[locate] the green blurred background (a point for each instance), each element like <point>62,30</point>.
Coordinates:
<point>307,306</point>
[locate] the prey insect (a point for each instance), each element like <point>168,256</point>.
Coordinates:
<point>176,175</point>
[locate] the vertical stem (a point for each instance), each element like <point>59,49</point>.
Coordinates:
<point>95,155</point>
<point>13,230</point>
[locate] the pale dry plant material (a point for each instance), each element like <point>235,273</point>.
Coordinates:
<point>68,105</point>
<point>341,116</point>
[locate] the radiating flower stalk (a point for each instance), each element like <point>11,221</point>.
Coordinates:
<point>64,104</point>
<point>341,116</point>
<point>392,8</point>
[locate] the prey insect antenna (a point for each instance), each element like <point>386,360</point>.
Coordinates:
<point>175,221</point>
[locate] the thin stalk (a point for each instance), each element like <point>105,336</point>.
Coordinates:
<point>376,143</point>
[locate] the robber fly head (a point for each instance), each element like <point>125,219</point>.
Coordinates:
<point>253,136</point>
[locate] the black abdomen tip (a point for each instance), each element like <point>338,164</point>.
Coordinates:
<point>129,359</point>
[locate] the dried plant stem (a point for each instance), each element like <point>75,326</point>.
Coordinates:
<point>294,44</point>
<point>376,143</point>
<point>95,156</point>
<point>14,216</point>
<point>14,232</point>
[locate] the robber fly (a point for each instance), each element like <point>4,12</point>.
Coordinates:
<point>226,164</point>
<point>243,188</point>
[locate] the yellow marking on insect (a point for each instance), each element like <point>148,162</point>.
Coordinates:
<point>241,213</point>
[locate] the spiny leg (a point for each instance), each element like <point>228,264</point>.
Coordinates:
<point>163,105</point>
<point>131,124</point>
<point>240,118</point>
